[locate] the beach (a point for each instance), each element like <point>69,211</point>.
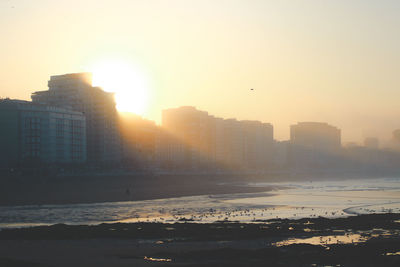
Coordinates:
<point>364,240</point>
<point>354,222</point>
<point>249,202</point>
<point>96,188</point>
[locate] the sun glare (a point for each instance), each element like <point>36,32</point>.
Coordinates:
<point>128,82</point>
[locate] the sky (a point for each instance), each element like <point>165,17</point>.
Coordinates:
<point>329,61</point>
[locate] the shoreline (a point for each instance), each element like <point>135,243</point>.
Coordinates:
<point>289,200</point>
<point>85,189</point>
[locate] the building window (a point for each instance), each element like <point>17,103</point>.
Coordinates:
<point>32,137</point>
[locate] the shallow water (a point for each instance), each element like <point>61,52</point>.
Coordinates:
<point>393,253</point>
<point>297,200</point>
<point>156,259</point>
<point>325,240</point>
<point>342,237</point>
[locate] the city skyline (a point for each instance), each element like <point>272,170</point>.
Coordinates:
<point>331,61</point>
<point>86,79</point>
<point>88,129</point>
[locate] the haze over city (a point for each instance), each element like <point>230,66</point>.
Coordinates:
<point>199,133</point>
<point>328,61</point>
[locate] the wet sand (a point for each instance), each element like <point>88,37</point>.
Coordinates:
<point>113,188</point>
<point>365,240</point>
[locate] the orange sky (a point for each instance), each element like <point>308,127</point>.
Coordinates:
<point>333,61</point>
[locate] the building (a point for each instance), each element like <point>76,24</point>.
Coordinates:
<point>371,143</point>
<point>315,135</point>
<point>33,132</point>
<point>244,144</point>
<point>170,152</point>
<point>313,144</point>
<point>75,91</point>
<point>281,154</point>
<point>258,144</point>
<point>231,142</point>
<point>196,139</point>
<point>395,140</point>
<point>191,136</point>
<point>138,140</point>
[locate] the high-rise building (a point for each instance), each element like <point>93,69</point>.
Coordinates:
<point>396,136</point>
<point>138,140</point>
<point>75,91</point>
<point>371,142</point>
<point>316,135</point>
<point>258,144</point>
<point>33,132</point>
<point>198,139</point>
<point>232,143</point>
<point>193,129</point>
<point>170,153</point>
<point>244,144</point>
<point>313,144</point>
<point>281,154</point>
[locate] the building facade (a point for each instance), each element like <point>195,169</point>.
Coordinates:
<point>314,144</point>
<point>195,139</point>
<point>34,132</point>
<point>190,136</point>
<point>75,91</point>
<point>258,144</point>
<point>371,143</point>
<point>138,141</point>
<point>317,135</point>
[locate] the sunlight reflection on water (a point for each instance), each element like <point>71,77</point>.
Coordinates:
<point>156,259</point>
<point>393,253</point>
<point>325,240</point>
<point>345,237</point>
<point>294,201</point>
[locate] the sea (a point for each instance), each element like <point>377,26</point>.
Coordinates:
<point>289,200</point>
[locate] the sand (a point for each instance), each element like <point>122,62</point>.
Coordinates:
<point>366,240</point>
<point>28,190</point>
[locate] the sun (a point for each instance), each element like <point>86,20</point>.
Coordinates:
<point>127,82</point>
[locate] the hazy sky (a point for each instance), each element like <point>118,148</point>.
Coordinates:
<point>334,61</point>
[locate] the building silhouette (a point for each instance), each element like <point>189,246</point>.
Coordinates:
<point>138,137</point>
<point>258,144</point>
<point>313,144</point>
<point>315,135</point>
<point>191,136</point>
<point>195,139</point>
<point>246,144</point>
<point>75,91</point>
<point>371,143</point>
<point>38,133</point>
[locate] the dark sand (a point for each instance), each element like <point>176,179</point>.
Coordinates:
<point>111,188</point>
<point>218,244</point>
<point>94,188</point>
